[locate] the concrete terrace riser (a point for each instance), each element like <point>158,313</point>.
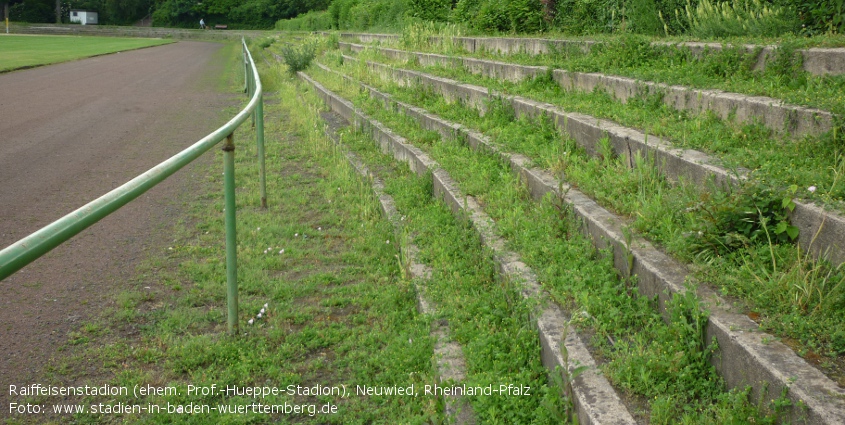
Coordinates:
<point>794,120</point>
<point>816,61</point>
<point>675,164</point>
<point>595,400</point>
<point>448,356</point>
<point>744,357</point>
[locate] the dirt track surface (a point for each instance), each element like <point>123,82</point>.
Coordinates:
<point>68,134</point>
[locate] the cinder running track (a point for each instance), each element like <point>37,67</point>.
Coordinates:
<point>68,134</point>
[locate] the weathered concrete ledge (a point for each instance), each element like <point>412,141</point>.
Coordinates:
<point>816,61</point>
<point>820,232</point>
<point>746,355</point>
<point>448,356</point>
<point>595,400</point>
<point>781,117</point>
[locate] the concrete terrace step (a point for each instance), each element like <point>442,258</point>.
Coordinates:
<point>821,232</point>
<point>781,117</point>
<point>595,400</point>
<point>745,357</point>
<point>816,60</point>
<point>448,356</point>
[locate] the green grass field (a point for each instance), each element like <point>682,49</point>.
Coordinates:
<point>26,51</point>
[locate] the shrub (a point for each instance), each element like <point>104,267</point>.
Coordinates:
<point>298,58</point>
<point>819,16</point>
<point>311,21</point>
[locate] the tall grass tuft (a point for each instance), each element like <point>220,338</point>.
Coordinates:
<point>739,18</point>
<point>418,35</point>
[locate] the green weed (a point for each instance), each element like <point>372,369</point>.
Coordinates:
<point>715,229</point>
<point>580,278</point>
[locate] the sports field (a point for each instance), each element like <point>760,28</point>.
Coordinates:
<point>26,51</point>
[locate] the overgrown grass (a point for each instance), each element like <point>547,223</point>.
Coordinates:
<point>813,162</point>
<point>25,51</point>
<point>731,69</point>
<point>666,365</point>
<point>486,315</point>
<point>720,232</point>
<point>336,309</point>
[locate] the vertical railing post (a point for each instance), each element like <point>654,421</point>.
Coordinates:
<point>259,140</point>
<point>231,232</point>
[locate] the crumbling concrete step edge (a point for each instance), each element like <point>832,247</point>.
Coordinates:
<point>816,60</point>
<point>821,232</point>
<point>596,402</point>
<point>448,356</point>
<point>775,114</point>
<point>746,355</point>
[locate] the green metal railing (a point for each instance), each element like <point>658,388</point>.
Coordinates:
<point>16,256</point>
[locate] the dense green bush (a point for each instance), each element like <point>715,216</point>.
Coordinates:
<point>250,14</point>
<point>819,16</point>
<point>311,21</point>
<point>33,11</point>
<point>298,58</point>
<point>651,17</point>
<point>430,10</point>
<point>367,15</point>
<point>703,18</point>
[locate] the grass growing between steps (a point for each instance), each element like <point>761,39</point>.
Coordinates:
<point>730,70</point>
<point>486,315</point>
<point>338,311</point>
<point>811,162</point>
<point>721,233</point>
<point>665,366</point>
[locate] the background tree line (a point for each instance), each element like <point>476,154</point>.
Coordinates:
<point>652,17</point>
<point>584,17</point>
<point>249,14</point>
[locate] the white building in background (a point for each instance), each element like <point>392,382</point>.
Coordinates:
<point>84,17</point>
